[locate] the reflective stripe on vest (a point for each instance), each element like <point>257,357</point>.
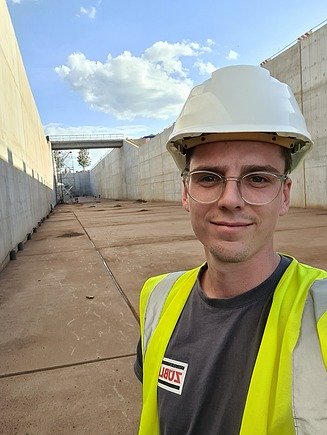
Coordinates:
<point>155,305</point>
<point>309,371</point>
<point>320,307</point>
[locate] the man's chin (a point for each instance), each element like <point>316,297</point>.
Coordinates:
<point>224,255</point>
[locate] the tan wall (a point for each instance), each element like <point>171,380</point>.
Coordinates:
<point>21,130</point>
<point>147,172</point>
<point>304,67</point>
<point>26,175</point>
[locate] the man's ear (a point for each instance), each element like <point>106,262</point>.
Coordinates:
<point>286,197</point>
<point>185,199</point>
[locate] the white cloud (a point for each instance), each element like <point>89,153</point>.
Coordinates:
<point>232,55</point>
<point>210,42</point>
<point>90,12</point>
<point>153,85</point>
<point>205,68</point>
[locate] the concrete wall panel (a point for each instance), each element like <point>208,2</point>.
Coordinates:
<point>304,67</point>
<point>26,173</point>
<point>146,172</point>
<point>316,177</point>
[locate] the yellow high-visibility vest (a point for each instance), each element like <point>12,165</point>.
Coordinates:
<point>288,387</point>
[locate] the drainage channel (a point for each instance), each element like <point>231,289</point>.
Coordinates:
<point>121,291</point>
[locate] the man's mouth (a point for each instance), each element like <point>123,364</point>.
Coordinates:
<point>232,224</point>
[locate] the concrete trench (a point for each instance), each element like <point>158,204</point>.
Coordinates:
<point>69,309</point>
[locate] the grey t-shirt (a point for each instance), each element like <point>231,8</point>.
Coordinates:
<point>205,374</point>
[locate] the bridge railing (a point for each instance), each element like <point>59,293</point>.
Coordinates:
<point>83,137</point>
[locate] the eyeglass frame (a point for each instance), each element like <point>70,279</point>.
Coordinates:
<point>281,177</point>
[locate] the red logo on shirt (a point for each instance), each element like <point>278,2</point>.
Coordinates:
<point>172,375</point>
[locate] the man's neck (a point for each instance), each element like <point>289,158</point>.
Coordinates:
<point>226,280</point>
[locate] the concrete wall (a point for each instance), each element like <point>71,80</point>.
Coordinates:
<point>149,172</point>
<point>26,175</point>
<point>146,172</point>
<point>159,178</point>
<point>304,67</point>
<point>78,183</point>
<point>82,183</point>
<point>107,177</point>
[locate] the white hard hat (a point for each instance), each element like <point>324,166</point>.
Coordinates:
<point>240,103</point>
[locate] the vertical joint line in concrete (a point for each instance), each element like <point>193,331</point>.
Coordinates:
<point>121,291</point>
<point>302,108</point>
<point>305,185</point>
<point>301,75</point>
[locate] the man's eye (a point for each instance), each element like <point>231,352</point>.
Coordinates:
<point>259,179</point>
<point>207,178</point>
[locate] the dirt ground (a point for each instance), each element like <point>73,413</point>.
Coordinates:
<point>69,309</point>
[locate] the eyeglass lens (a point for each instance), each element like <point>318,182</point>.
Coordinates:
<point>256,188</point>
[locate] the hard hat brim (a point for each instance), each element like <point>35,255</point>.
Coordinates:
<point>177,145</point>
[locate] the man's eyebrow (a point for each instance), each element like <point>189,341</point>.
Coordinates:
<point>244,169</point>
<point>219,169</point>
<point>259,168</point>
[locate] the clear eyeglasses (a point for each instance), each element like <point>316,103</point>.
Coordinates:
<point>255,188</point>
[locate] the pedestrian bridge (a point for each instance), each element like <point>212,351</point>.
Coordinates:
<point>88,141</point>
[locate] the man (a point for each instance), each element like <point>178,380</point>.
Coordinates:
<point>238,345</point>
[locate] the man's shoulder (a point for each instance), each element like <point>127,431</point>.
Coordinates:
<point>161,285</point>
<point>171,276</point>
<point>305,270</point>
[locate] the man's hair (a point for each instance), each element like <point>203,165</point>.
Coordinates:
<point>285,152</point>
<point>188,152</point>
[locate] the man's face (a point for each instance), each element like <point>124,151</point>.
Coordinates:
<point>230,229</point>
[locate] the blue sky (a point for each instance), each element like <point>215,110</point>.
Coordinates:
<point>127,66</point>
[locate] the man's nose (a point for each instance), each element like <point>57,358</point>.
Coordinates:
<point>231,196</point>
